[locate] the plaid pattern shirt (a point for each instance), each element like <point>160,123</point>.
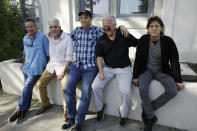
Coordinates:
<point>85,43</point>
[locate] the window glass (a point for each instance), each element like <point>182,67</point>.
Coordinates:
<point>98,7</point>
<point>133,7</point>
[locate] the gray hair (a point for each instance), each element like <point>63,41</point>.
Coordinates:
<point>54,21</point>
<point>110,18</point>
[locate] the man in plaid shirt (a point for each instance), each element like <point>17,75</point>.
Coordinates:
<point>84,67</point>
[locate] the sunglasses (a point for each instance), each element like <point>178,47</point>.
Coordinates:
<point>29,43</point>
<point>106,29</point>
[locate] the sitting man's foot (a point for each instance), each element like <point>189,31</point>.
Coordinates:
<point>150,123</point>
<point>69,123</point>
<point>122,120</point>
<point>23,113</point>
<point>14,116</point>
<point>76,127</point>
<point>144,117</point>
<point>43,109</point>
<point>65,117</point>
<point>100,114</point>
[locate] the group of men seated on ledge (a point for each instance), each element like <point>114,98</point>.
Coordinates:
<point>101,54</point>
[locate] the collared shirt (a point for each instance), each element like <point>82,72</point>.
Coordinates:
<point>36,52</point>
<point>85,42</point>
<point>60,51</point>
<point>115,52</point>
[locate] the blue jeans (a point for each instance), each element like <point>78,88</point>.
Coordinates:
<point>25,100</point>
<point>87,76</point>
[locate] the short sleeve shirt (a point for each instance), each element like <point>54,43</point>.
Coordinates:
<point>36,52</point>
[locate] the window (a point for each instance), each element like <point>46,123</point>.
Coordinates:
<point>98,7</point>
<point>134,7</point>
<point>31,8</point>
<point>119,8</point>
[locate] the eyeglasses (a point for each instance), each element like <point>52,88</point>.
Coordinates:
<point>107,28</point>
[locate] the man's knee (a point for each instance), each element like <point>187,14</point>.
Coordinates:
<point>172,93</point>
<point>40,84</point>
<point>143,90</point>
<point>95,86</point>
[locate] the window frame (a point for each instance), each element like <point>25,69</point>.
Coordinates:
<point>150,11</point>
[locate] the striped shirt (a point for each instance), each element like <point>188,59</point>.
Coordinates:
<point>85,43</point>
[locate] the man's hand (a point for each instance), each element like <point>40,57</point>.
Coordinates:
<point>135,82</point>
<point>102,75</point>
<point>180,86</point>
<point>60,77</point>
<point>124,31</point>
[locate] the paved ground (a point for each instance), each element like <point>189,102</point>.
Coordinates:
<point>52,119</point>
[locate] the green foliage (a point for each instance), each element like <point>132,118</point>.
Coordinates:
<point>11,30</point>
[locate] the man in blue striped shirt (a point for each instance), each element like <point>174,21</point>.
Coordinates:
<point>84,67</point>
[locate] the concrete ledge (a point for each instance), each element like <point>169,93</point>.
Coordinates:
<point>179,112</point>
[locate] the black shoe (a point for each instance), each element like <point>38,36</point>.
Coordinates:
<point>144,117</point>
<point>100,114</point>
<point>76,127</point>
<point>122,120</point>
<point>14,116</point>
<point>150,123</point>
<point>69,123</point>
<point>22,115</point>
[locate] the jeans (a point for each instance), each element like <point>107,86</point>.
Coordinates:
<point>124,77</point>
<point>74,75</point>
<point>25,100</point>
<point>170,91</point>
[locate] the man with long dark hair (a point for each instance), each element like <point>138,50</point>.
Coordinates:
<point>156,58</point>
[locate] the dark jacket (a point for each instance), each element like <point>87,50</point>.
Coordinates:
<point>169,53</point>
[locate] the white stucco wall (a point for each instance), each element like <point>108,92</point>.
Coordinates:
<point>60,9</point>
<point>179,17</point>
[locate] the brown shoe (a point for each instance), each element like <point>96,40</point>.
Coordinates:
<point>22,115</point>
<point>65,117</point>
<point>43,109</point>
<point>14,116</point>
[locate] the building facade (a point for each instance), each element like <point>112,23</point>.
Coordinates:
<point>178,16</point>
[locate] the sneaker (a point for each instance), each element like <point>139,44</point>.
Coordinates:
<point>144,117</point>
<point>100,114</point>
<point>150,123</point>
<point>122,120</point>
<point>65,117</point>
<point>14,116</point>
<point>69,123</point>
<point>76,127</point>
<point>22,115</point>
<point>43,109</point>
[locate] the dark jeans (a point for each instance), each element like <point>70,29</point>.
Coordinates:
<point>25,100</point>
<point>170,91</point>
<point>87,76</point>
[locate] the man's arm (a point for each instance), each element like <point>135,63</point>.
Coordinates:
<point>100,68</point>
<point>132,41</point>
<point>69,56</point>
<point>174,62</point>
<point>66,65</point>
<point>124,31</point>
